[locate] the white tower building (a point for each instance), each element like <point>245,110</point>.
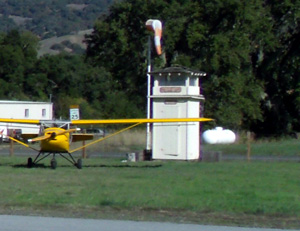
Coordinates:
<point>176,94</point>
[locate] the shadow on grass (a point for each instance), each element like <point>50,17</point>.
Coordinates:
<point>122,166</point>
<point>87,166</point>
<point>34,166</point>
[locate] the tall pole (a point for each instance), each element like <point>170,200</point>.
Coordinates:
<point>155,26</point>
<point>148,143</point>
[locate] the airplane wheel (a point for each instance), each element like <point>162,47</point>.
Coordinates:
<point>79,164</point>
<point>53,164</point>
<point>29,162</point>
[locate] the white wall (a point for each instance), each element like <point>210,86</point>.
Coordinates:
<point>177,141</point>
<point>16,110</point>
<point>25,110</point>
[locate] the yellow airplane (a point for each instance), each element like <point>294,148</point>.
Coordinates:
<point>56,136</point>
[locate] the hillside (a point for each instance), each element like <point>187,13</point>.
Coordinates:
<point>68,43</point>
<point>48,19</point>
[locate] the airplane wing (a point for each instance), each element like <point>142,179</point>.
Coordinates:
<point>129,121</point>
<point>22,121</point>
<point>110,121</point>
<point>81,137</point>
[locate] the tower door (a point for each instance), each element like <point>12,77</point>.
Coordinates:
<point>166,136</point>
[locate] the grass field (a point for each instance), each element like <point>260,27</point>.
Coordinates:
<point>281,147</point>
<point>263,194</point>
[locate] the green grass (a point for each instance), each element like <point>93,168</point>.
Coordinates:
<point>284,147</point>
<point>230,192</point>
<point>229,188</point>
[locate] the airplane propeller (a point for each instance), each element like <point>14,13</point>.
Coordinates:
<point>51,135</point>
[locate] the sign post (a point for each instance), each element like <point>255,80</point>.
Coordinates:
<point>74,112</point>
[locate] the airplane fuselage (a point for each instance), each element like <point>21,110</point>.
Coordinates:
<point>56,143</point>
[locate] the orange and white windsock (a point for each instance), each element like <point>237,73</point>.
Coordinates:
<point>155,26</point>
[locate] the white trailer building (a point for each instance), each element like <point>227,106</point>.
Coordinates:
<point>24,110</point>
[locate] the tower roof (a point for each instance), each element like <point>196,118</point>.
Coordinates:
<point>178,70</point>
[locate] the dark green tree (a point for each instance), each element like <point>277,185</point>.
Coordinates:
<point>67,80</point>
<point>213,36</point>
<point>278,67</point>
<point>18,53</point>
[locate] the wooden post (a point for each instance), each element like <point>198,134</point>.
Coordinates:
<point>11,145</point>
<point>83,150</point>
<point>83,144</point>
<point>248,146</point>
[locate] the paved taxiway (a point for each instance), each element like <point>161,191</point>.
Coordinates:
<point>29,223</point>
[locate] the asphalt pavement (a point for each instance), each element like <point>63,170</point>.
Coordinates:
<point>31,223</point>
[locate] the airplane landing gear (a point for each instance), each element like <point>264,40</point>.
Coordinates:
<point>29,162</point>
<point>53,163</point>
<point>79,164</point>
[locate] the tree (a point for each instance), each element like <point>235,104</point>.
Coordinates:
<point>223,46</point>
<point>69,80</point>
<point>248,48</point>
<point>17,54</point>
<point>278,67</point>
<point>212,36</point>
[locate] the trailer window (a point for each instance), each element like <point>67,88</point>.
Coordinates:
<point>43,112</point>
<point>26,113</point>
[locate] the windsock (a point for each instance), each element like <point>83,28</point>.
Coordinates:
<point>156,27</point>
